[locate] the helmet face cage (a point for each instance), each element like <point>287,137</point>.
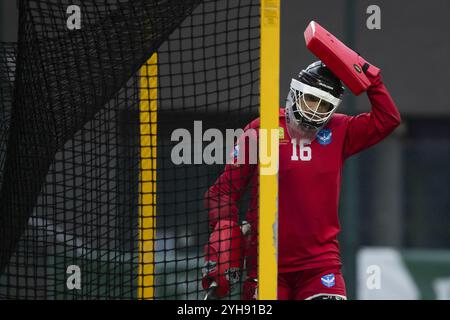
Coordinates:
<point>304,109</point>
<point>298,127</point>
<point>307,113</point>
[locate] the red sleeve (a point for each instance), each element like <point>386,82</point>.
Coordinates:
<point>367,129</point>
<point>222,198</point>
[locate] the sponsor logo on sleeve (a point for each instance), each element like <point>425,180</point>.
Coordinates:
<point>282,137</point>
<point>235,156</point>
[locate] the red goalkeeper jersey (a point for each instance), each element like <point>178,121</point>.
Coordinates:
<point>310,175</point>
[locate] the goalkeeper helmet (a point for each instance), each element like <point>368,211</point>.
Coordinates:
<point>313,98</point>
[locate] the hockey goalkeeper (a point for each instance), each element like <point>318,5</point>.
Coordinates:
<point>314,143</point>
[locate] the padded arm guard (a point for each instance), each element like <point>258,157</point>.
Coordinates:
<point>345,63</point>
<point>223,258</point>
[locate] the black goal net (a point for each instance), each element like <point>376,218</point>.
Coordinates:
<point>92,203</point>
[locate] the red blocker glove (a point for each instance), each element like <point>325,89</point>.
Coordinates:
<point>223,258</point>
<point>345,63</point>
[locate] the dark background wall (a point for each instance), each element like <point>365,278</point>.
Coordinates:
<point>8,20</point>
<point>412,47</point>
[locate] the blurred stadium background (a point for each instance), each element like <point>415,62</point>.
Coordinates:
<point>395,208</point>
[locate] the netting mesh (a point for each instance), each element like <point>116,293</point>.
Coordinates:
<point>71,130</point>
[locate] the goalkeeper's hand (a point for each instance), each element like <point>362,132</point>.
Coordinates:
<point>372,73</point>
<point>223,259</point>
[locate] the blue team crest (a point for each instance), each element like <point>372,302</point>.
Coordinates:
<point>235,156</point>
<point>328,280</point>
<point>324,136</point>
<point>236,152</point>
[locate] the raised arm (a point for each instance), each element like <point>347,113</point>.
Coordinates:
<point>367,129</point>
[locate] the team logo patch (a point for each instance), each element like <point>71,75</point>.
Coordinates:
<point>328,280</point>
<point>324,137</point>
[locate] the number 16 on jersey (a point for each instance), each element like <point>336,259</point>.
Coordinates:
<point>302,150</point>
